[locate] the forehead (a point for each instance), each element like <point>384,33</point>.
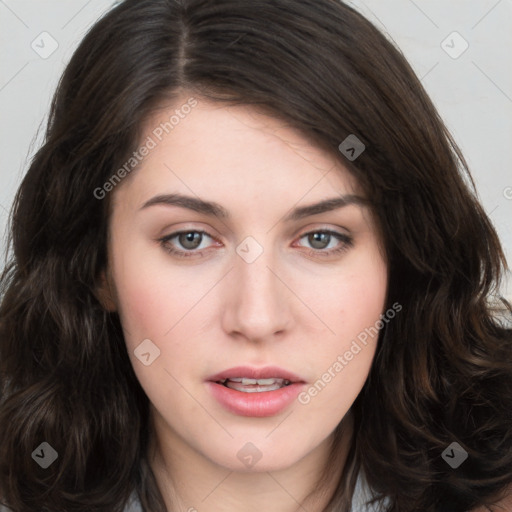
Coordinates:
<point>215,146</point>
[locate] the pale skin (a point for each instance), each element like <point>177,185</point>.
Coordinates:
<point>293,306</point>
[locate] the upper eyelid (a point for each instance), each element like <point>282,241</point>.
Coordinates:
<point>183,231</point>
<point>170,236</point>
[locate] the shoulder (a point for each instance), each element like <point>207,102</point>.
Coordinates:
<point>133,504</point>
<point>362,495</point>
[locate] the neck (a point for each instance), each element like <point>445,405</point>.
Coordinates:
<point>190,482</point>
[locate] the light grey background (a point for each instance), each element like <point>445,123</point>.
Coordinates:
<point>472,89</point>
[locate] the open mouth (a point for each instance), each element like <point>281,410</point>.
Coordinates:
<point>247,385</point>
<point>255,392</point>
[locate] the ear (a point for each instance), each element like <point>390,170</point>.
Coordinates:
<point>105,292</point>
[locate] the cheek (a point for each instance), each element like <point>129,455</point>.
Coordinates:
<point>352,301</point>
<point>352,309</point>
<point>153,306</point>
<point>157,302</point>
<point>152,296</point>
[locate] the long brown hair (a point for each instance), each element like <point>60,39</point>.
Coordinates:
<point>443,367</point>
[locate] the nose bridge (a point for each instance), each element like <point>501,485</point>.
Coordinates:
<point>258,305</point>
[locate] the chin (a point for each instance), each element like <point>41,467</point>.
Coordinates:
<point>256,454</point>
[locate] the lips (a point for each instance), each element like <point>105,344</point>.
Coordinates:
<point>256,392</point>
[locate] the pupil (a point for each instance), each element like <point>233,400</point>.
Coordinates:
<point>317,242</point>
<point>190,240</point>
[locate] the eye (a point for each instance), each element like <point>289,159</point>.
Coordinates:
<point>190,241</point>
<point>326,239</point>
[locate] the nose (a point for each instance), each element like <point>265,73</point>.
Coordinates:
<point>257,306</point>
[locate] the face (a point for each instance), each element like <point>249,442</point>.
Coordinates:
<point>219,270</point>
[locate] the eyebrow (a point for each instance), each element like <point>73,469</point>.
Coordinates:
<point>216,210</point>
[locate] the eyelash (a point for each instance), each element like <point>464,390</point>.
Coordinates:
<point>347,243</point>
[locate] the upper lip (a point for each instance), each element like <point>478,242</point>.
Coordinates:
<point>266,372</point>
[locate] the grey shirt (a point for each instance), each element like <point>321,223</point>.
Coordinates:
<point>362,494</point>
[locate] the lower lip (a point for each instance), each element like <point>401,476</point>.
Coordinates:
<point>260,405</point>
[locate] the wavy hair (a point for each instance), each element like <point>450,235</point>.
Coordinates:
<point>443,367</point>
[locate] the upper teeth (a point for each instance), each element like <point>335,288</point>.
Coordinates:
<point>260,382</point>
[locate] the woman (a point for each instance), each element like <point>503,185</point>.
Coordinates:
<point>249,274</point>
